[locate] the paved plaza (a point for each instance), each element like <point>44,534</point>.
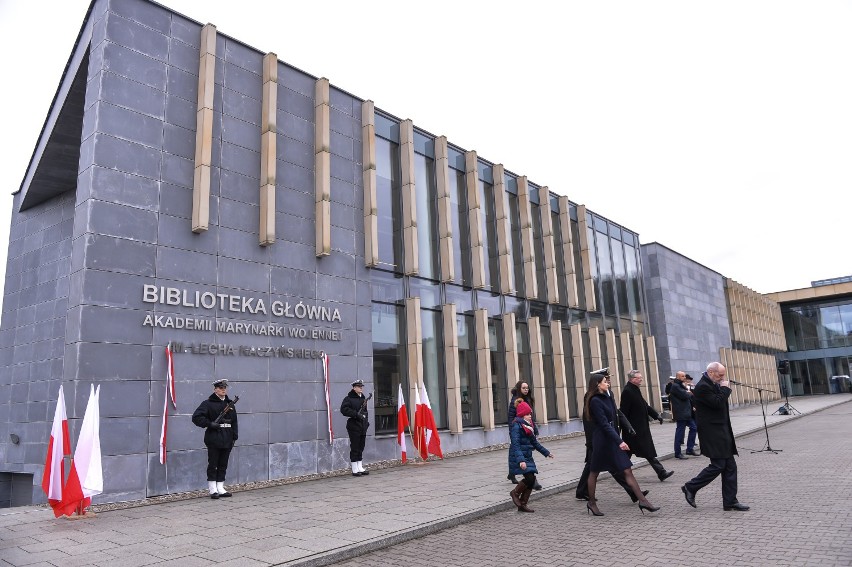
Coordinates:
<point>457,512</point>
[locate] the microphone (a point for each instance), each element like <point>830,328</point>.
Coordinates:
<point>734,382</point>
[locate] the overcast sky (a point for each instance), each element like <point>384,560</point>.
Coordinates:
<point>722,130</point>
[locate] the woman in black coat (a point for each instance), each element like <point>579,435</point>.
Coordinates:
<point>609,451</point>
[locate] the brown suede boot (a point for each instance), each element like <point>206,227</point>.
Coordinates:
<point>517,494</point>
<point>525,498</point>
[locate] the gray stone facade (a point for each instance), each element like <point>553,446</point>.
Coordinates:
<point>104,269</point>
<point>687,311</point>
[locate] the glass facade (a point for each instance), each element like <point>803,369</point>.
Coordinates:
<point>819,341</point>
<point>614,264</point>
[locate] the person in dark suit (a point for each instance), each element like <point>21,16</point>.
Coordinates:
<point>717,438</point>
<point>609,451</point>
<point>218,437</point>
<point>637,411</point>
<point>681,400</point>
<point>582,490</point>
<point>354,406</point>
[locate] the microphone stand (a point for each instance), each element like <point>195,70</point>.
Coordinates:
<point>767,447</point>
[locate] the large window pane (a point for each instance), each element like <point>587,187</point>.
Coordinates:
<point>388,362</point>
<point>469,385</point>
<point>498,372</point>
<point>460,226</point>
<point>433,374</point>
<point>549,378</point>
<point>538,248</point>
<point>489,236</point>
<point>605,271</point>
<point>388,204</point>
<point>517,251</point>
<point>427,216</point>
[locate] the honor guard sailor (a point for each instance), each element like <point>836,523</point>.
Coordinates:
<point>218,416</point>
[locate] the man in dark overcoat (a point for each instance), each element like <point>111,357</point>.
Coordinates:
<point>716,436</point>
<point>637,411</point>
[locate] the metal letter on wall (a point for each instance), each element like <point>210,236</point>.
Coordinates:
<point>537,369</point>
<point>586,258</point>
<point>504,241</point>
<point>477,253</point>
<point>371,218</point>
<point>322,166</point>
<point>451,367</point>
<point>410,258</point>
<point>445,216</point>
<point>568,251</point>
<point>204,130</point>
<point>483,369</point>
<point>530,279</point>
<point>268,160</point>
<point>549,245</point>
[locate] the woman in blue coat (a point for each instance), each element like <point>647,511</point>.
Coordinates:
<point>521,461</point>
<point>609,451</point>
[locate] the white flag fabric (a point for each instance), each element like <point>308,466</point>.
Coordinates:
<point>87,456</point>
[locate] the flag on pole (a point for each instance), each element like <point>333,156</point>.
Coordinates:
<point>170,393</point>
<point>327,397</point>
<point>58,446</point>
<point>419,436</point>
<point>86,478</point>
<point>401,423</point>
<point>433,441</point>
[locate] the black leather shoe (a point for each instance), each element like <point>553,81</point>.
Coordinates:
<point>665,475</point>
<point>693,453</point>
<point>690,496</point>
<point>225,495</point>
<point>537,486</point>
<point>739,507</point>
<point>511,477</point>
<point>681,457</point>
<point>356,474</point>
<point>215,496</point>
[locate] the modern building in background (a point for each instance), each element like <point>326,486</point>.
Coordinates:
<point>699,316</point>
<point>192,191</point>
<point>818,333</point>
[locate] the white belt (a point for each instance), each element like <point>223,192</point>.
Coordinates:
<point>224,425</point>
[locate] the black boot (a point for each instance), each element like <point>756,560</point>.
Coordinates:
<point>517,494</point>
<point>511,477</point>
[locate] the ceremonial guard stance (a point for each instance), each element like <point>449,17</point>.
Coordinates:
<point>354,407</point>
<point>218,415</point>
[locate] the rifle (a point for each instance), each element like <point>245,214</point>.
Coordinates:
<point>363,409</point>
<point>228,407</point>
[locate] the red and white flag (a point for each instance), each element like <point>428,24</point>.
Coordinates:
<point>327,397</point>
<point>401,423</point>
<point>170,394</point>
<point>419,435</point>
<point>86,478</point>
<point>427,431</point>
<point>58,446</point>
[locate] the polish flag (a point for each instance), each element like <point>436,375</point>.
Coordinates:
<point>170,394</point>
<point>86,478</point>
<point>426,419</point>
<point>401,423</point>
<point>419,436</point>
<point>59,445</point>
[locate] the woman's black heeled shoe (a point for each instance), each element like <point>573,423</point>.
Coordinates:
<point>643,507</point>
<point>594,512</point>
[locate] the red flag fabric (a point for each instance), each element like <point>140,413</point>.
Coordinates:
<point>59,445</point>
<point>325,367</point>
<point>433,441</point>
<point>419,436</point>
<point>170,394</point>
<point>401,423</point>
